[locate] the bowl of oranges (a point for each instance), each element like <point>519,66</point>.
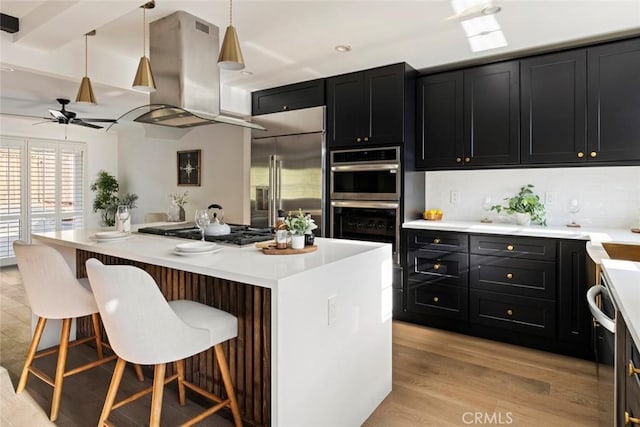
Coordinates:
<point>432,215</point>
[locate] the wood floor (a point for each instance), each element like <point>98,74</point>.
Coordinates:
<point>439,379</point>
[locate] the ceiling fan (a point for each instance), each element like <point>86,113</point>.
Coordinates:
<point>66,117</point>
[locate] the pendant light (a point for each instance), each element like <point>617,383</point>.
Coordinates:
<point>230,57</point>
<point>144,80</point>
<point>85,92</point>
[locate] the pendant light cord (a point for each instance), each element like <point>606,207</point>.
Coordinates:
<point>144,31</point>
<point>85,55</point>
<point>230,12</point>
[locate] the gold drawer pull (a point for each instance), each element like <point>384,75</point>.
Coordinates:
<point>436,266</point>
<point>436,241</point>
<point>510,312</point>
<point>285,107</point>
<point>358,139</point>
<point>632,369</point>
<point>509,276</point>
<point>580,154</point>
<point>467,159</point>
<point>593,154</point>
<point>510,247</point>
<point>628,419</point>
<point>436,299</point>
<point>366,138</point>
<point>458,159</point>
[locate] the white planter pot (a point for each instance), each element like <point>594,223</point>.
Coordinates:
<point>523,218</point>
<point>297,241</point>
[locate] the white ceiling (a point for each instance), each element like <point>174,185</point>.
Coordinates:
<point>282,41</point>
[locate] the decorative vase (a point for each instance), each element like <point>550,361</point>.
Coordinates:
<point>297,241</point>
<point>181,213</point>
<point>173,213</point>
<point>309,239</point>
<point>523,218</point>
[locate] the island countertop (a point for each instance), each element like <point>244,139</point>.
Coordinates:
<point>241,264</point>
<point>623,278</point>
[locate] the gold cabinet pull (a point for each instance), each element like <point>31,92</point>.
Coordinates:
<point>436,241</point>
<point>593,154</point>
<point>509,276</point>
<point>510,312</point>
<point>358,139</point>
<point>436,266</point>
<point>467,159</point>
<point>632,369</point>
<point>436,299</point>
<point>458,159</point>
<point>580,154</point>
<point>628,419</point>
<point>285,107</point>
<point>510,247</point>
<point>366,138</point>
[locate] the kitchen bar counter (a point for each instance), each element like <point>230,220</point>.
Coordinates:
<point>312,327</point>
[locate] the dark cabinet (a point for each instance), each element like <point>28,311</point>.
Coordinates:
<point>627,373</point>
<point>574,319</point>
<point>290,97</point>
<point>469,117</point>
<point>369,107</point>
<point>553,93</point>
<point>614,101</point>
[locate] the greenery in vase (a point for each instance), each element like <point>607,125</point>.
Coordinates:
<point>180,199</point>
<point>300,223</point>
<point>526,201</point>
<point>107,200</point>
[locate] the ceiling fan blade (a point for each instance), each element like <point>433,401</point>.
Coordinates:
<point>45,121</point>
<point>99,120</point>
<point>26,116</point>
<point>82,123</point>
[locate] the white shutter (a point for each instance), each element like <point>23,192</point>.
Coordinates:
<point>10,195</point>
<point>43,189</point>
<point>71,188</point>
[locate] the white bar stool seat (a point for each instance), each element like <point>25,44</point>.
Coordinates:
<point>54,293</point>
<point>144,328</point>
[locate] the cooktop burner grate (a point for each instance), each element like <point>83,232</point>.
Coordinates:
<point>241,235</point>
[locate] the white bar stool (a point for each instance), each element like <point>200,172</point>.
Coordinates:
<point>54,293</point>
<point>144,328</point>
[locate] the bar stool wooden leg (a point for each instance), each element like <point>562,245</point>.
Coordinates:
<point>181,391</point>
<point>62,360</point>
<point>113,390</point>
<point>156,396</point>
<point>98,333</point>
<point>228,385</point>
<point>33,347</point>
<point>138,371</point>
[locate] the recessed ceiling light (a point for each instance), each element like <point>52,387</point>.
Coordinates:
<point>491,10</point>
<point>343,48</point>
<point>246,73</point>
<point>5,68</point>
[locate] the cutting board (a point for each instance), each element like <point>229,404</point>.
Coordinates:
<point>269,248</point>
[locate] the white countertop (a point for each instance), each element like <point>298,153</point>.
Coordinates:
<point>623,278</point>
<point>246,265</point>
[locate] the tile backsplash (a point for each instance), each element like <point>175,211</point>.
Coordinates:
<point>607,196</point>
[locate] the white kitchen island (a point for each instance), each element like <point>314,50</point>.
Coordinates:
<point>326,326</point>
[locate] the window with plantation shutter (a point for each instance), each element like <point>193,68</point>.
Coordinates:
<point>42,189</point>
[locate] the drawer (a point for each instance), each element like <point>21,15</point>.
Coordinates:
<point>519,314</point>
<point>632,368</point>
<point>513,276</point>
<point>438,300</point>
<point>520,247</point>
<point>438,266</point>
<point>438,240</point>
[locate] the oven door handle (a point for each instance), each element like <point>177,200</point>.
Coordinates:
<point>606,322</point>
<point>391,167</point>
<point>364,204</point>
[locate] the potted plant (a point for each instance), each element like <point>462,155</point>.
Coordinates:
<point>178,200</point>
<point>299,225</point>
<point>107,200</point>
<point>526,205</point>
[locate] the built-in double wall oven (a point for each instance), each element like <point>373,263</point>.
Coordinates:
<point>365,189</point>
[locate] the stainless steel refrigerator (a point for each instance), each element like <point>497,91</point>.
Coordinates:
<point>287,166</point>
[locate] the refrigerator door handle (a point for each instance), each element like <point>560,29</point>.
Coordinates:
<point>278,191</point>
<point>272,186</point>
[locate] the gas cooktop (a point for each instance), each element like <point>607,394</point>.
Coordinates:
<point>241,235</point>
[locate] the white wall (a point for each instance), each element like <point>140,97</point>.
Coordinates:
<point>147,165</point>
<point>609,196</point>
<point>101,148</point>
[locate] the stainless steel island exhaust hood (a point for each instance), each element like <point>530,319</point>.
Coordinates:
<point>183,50</point>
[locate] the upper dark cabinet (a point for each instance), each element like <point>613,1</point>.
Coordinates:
<point>553,91</point>
<point>469,117</point>
<point>290,97</point>
<point>614,101</point>
<point>368,107</point>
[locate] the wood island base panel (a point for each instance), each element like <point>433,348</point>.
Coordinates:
<point>248,355</point>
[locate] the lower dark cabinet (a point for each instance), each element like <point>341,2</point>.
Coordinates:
<point>515,313</point>
<point>439,300</point>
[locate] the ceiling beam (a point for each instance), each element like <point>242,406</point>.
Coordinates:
<point>9,23</point>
